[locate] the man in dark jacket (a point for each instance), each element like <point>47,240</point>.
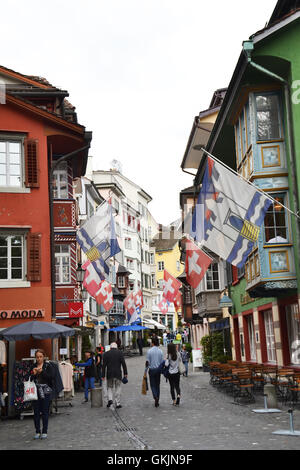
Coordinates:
<point>111,370</point>
<point>89,374</point>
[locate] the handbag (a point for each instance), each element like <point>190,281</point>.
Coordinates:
<point>145,383</point>
<point>181,367</point>
<point>30,391</point>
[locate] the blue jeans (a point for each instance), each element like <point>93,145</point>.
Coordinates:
<point>186,368</point>
<point>154,375</point>
<point>89,382</point>
<point>41,407</point>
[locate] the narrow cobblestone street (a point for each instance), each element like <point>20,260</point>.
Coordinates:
<point>205,420</point>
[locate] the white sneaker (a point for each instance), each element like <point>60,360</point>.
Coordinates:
<point>37,436</point>
<point>44,436</point>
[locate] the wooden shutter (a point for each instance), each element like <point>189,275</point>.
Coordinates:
<point>34,257</point>
<point>32,173</point>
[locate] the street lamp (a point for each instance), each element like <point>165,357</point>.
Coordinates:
<point>80,275</point>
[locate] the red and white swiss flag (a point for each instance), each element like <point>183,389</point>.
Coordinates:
<point>171,287</point>
<point>163,306</point>
<point>129,304</point>
<point>196,264</point>
<point>138,299</point>
<point>104,296</point>
<point>92,281</point>
<point>178,301</point>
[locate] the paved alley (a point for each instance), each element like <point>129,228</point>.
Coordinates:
<point>205,420</point>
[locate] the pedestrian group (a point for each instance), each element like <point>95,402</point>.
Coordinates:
<point>110,368</point>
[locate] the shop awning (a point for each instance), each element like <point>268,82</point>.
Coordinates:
<point>152,324</point>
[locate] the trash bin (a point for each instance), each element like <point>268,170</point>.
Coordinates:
<point>96,398</point>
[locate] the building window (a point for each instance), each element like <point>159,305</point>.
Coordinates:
<point>128,244</point>
<point>270,336</point>
<point>212,277</point>
<point>130,263</point>
<point>251,338</point>
<point>178,265</point>
<point>276,230</point>
<point>11,164</point>
<point>12,257</point>
<point>121,282</point>
<point>131,286</point>
<point>293,322</point>
<point>62,264</point>
<point>153,280</point>
<point>161,265</point>
<point>60,182</point>
<point>268,117</point>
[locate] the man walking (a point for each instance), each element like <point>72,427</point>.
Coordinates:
<point>140,343</point>
<point>111,370</point>
<point>154,359</point>
<point>89,374</point>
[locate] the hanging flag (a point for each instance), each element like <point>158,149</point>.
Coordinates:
<point>92,280</point>
<point>97,239</point>
<point>129,305</point>
<point>228,214</point>
<point>196,264</point>
<point>178,301</point>
<point>135,317</point>
<point>104,296</point>
<point>171,287</point>
<point>163,306</point>
<point>138,299</point>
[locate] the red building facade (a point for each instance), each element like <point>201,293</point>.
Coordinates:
<point>40,139</point>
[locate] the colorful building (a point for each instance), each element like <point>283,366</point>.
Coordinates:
<point>256,133</point>
<point>167,258</point>
<point>42,147</point>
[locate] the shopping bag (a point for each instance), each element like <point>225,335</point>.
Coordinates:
<point>30,391</point>
<point>181,367</point>
<point>145,384</point>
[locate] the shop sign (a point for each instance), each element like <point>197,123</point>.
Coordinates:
<point>76,310</point>
<point>21,314</point>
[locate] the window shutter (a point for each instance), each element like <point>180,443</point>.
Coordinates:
<point>32,174</point>
<point>34,257</point>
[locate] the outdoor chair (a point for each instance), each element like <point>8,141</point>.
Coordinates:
<point>244,386</point>
<point>295,390</point>
<point>283,383</point>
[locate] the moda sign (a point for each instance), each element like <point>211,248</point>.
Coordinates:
<point>22,314</point>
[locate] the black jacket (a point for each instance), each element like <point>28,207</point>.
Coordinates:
<point>112,362</point>
<point>46,376</point>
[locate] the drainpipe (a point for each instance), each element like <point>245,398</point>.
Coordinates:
<point>51,171</point>
<point>248,47</point>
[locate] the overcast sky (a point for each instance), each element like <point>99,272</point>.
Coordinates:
<point>138,72</point>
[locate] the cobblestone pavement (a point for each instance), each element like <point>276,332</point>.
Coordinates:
<point>206,420</point>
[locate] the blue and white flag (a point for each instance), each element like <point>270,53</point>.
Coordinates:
<point>97,239</point>
<point>228,214</point>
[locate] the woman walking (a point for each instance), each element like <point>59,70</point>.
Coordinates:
<point>43,376</point>
<point>172,362</point>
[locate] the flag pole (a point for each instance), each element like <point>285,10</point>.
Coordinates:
<point>249,182</point>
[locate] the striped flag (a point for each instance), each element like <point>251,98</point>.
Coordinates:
<point>228,214</point>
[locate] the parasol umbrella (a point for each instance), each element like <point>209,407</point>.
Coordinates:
<point>129,328</point>
<point>36,330</point>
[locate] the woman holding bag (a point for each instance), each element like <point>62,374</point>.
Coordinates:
<point>175,366</point>
<point>43,376</point>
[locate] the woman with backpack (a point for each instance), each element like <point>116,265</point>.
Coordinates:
<point>174,364</point>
